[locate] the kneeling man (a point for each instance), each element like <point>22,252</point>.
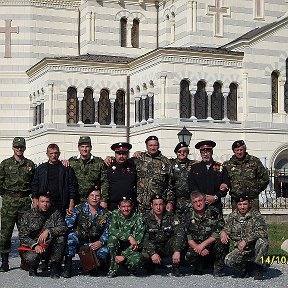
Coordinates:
<point>42,233</point>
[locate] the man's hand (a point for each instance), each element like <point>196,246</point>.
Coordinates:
<point>204,252</point>
<point>156,259</point>
<point>108,160</point>
<point>119,259</point>
<point>137,154</point>
<point>71,204</point>
<point>198,249</point>
<point>133,242</point>
<point>210,199</point>
<point>242,245</point>
<point>223,187</point>
<point>224,237</point>
<point>176,257</point>
<point>43,236</point>
<point>34,202</point>
<point>104,204</point>
<point>95,245</point>
<point>169,207</point>
<point>39,249</point>
<point>65,163</point>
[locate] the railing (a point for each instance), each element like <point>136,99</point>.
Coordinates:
<point>275,196</point>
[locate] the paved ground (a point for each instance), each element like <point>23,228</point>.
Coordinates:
<point>276,276</point>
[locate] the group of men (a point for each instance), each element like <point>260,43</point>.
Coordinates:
<point>161,207</point>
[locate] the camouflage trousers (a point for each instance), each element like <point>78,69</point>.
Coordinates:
<point>133,259</point>
<point>254,253</point>
<point>74,243</point>
<point>12,210</point>
<point>216,256</point>
<point>55,252</point>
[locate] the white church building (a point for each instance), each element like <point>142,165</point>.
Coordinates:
<point>121,70</point>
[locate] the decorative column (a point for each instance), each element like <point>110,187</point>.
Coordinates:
<point>172,28</point>
<point>281,97</point>
<point>225,108</point>
<point>34,107</point>
<point>143,98</point>
<point>80,99</point>
<point>93,26</point>
<point>112,122</point>
<point>189,16</point>
<point>88,25</point>
<point>162,96</point>
<point>150,104</point>
<point>209,108</point>
<point>96,117</point>
<point>50,101</point>
<point>38,107</point>
<point>245,96</point>
<point>194,16</point>
<point>137,99</point>
<point>193,117</point>
<point>129,34</point>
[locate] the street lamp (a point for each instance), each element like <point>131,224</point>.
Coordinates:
<point>184,136</point>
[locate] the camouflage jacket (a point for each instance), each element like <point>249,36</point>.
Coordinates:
<point>121,228</point>
<point>89,228</point>
<point>157,234</point>
<point>180,172</point>
<point>201,228</point>
<point>247,175</point>
<point>90,174</point>
<point>154,176</point>
<point>250,227</point>
<point>16,176</point>
<point>34,222</point>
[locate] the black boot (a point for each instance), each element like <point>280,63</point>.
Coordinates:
<point>5,266</point>
<point>55,270</point>
<point>67,273</point>
<point>258,274</point>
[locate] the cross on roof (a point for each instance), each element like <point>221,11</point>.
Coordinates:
<point>219,12</point>
<point>8,30</point>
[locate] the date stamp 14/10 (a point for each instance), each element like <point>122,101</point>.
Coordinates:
<point>277,259</point>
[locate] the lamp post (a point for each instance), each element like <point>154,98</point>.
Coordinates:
<point>184,136</point>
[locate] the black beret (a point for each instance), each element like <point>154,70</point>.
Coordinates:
<point>121,146</point>
<point>205,144</point>
<point>180,145</point>
<point>95,188</point>
<point>156,196</point>
<point>241,198</point>
<point>45,194</point>
<point>238,144</point>
<point>126,199</point>
<point>151,138</point>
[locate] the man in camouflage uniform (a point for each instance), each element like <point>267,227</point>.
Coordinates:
<point>122,176</point>
<point>16,174</point>
<point>208,176</point>
<point>154,176</point>
<point>89,171</point>
<point>203,225</point>
<point>164,235</point>
<point>88,224</point>
<point>125,238</point>
<point>246,173</point>
<point>39,227</point>
<point>181,167</point>
<point>246,227</point>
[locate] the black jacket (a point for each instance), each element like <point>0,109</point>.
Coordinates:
<point>68,184</point>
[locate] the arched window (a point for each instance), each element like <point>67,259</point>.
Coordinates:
<point>72,105</point>
<point>217,102</point>
<point>185,100</point>
<point>135,34</point>
<point>120,108</point>
<point>123,32</point>
<point>274,91</point>
<point>104,108</point>
<point>88,107</point>
<point>201,101</point>
<point>232,102</point>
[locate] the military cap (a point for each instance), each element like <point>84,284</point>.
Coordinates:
<point>238,144</point>
<point>208,144</point>
<point>84,140</point>
<point>95,188</point>
<point>126,199</point>
<point>46,194</point>
<point>151,138</point>
<point>19,142</point>
<point>121,146</point>
<point>180,145</point>
<point>155,197</point>
<point>241,198</point>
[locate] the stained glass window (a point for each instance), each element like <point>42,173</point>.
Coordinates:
<point>135,34</point>
<point>72,105</point>
<point>185,100</point>
<point>120,108</point>
<point>201,101</point>
<point>123,31</point>
<point>88,107</point>
<point>232,102</point>
<point>274,91</point>
<point>104,108</point>
<point>217,103</point>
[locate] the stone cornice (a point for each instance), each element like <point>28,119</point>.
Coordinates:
<point>47,3</point>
